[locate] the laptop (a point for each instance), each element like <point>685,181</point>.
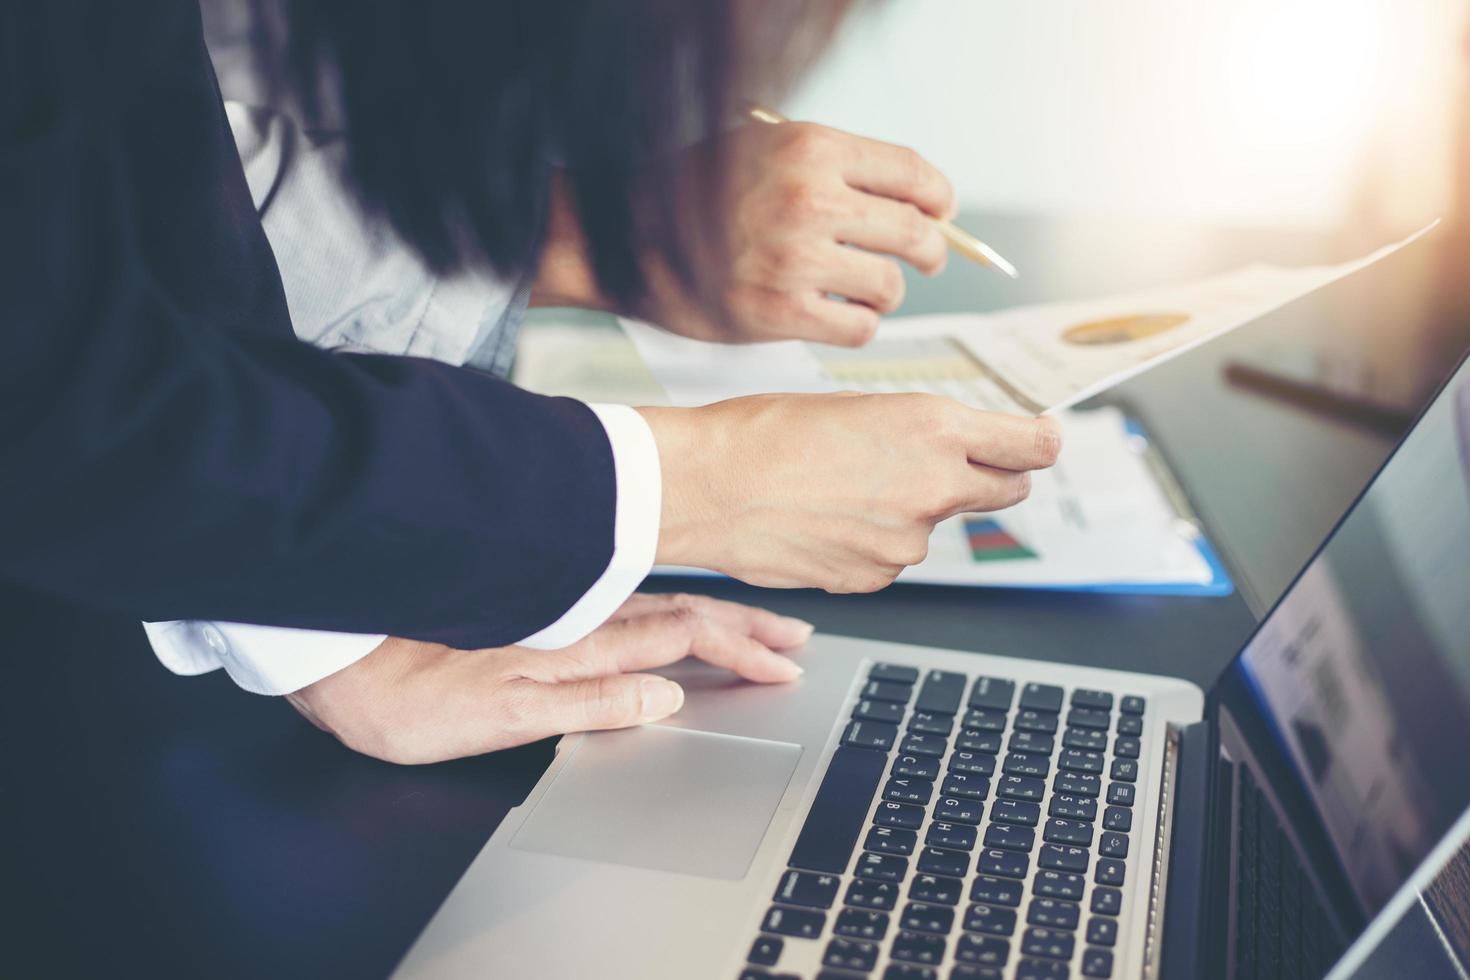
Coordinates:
<point>904,812</point>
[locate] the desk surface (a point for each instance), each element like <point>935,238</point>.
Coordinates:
<point>167,826</point>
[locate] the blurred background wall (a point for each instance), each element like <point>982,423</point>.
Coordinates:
<point>1294,113</point>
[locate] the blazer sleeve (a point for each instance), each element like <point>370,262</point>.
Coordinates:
<point>168,449</point>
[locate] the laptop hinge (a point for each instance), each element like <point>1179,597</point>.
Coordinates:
<point>1179,860</point>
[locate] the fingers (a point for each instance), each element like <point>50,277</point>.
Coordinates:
<point>617,701</point>
<point>1009,442</point>
<point>990,489</point>
<point>775,631</point>
<point>900,173</point>
<point>660,639</point>
<point>868,279</point>
<point>895,228</point>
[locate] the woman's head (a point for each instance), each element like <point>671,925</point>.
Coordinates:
<point>457,113</point>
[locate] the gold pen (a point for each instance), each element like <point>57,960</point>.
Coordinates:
<point>960,240</point>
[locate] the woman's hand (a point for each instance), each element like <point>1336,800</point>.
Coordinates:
<point>837,492</point>
<point>814,223</point>
<point>412,702</point>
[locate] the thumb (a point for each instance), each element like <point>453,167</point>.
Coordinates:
<point>615,701</point>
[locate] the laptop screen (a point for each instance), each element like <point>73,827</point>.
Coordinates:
<point>1344,724</point>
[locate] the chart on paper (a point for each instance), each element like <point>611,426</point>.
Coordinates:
<point>935,364</point>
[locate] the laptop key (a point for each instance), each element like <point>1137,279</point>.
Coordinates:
<point>1078,783</point>
<point>837,814</point>
<point>982,950</point>
<point>1053,913</point>
<point>966,784</point>
<point>900,815</point>
<point>1130,725</point>
<point>1062,831</point>
<point>1060,857</point>
<point>1024,764</point>
<point>1131,705</point>
<point>851,954</point>
<point>989,920</point>
<point>1080,760</point>
<point>893,672</point>
<point>1110,871</point>
<point>869,894</point>
<point>1107,901</point>
<point>1020,788</point>
<point>1083,698</point>
<point>1032,742</point>
<point>907,971</point>
<point>916,766</point>
<point>936,889</point>
<point>890,840</point>
<point>917,743</point>
<point>952,835</point>
<point>887,691</point>
<point>903,790</point>
<point>1073,807</point>
<point>1085,738</point>
<point>973,971</point>
<point>931,724</point>
<point>955,809</point>
<point>1125,770</point>
<point>888,712</point>
<point>1097,963</point>
<point>1118,818</point>
<point>765,951</point>
<point>1003,864</point>
<point>1016,811</point>
<point>985,720</point>
<point>1031,720</point>
<point>1034,969</point>
<point>941,691</point>
<point>938,861</point>
<point>1113,844</point>
<point>975,740</point>
<point>1052,943</point>
<point>1008,837</point>
<point>812,891</point>
<point>861,924</point>
<point>1088,718</point>
<point>991,692</point>
<point>884,867</point>
<point>1101,931</point>
<point>982,763</point>
<point>801,923</point>
<point>1059,884</point>
<point>1120,794</point>
<point>1126,747</point>
<point>922,917</point>
<point>995,891</point>
<point>917,947</point>
<point>1041,697</point>
<point>862,734</point>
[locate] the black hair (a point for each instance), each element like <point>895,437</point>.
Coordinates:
<point>457,115</point>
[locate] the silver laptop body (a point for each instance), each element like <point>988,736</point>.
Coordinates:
<point>663,851</point>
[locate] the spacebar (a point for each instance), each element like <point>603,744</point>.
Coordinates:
<point>837,814</point>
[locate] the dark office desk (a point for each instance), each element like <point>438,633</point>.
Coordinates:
<point>163,826</point>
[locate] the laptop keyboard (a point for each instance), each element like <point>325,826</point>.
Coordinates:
<point>998,846</point>
<point>1281,930</point>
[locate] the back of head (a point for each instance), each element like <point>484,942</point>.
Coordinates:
<point>459,115</point>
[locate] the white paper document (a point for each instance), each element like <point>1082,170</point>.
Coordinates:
<point>1027,360</point>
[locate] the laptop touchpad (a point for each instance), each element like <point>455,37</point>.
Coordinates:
<point>663,798</point>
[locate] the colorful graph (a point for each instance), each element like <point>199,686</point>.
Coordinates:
<point>991,542</point>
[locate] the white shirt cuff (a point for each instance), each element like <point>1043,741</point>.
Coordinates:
<point>279,660</point>
<point>261,659</point>
<point>635,529</point>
